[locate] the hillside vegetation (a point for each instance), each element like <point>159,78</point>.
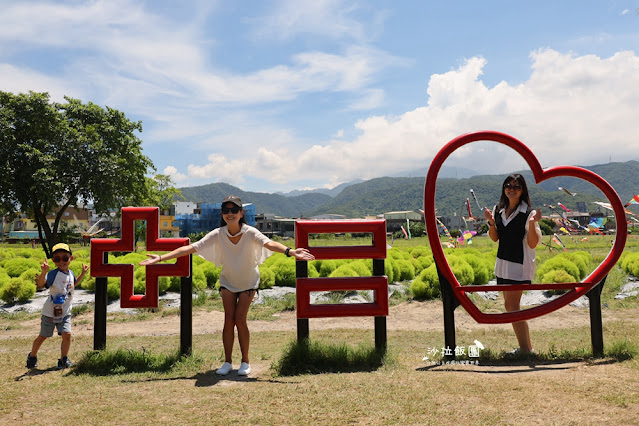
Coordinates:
<point>386,194</point>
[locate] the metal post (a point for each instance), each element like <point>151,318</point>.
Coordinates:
<point>301,271</point>
<point>596,323</point>
<point>100,314</point>
<point>450,303</point>
<point>186,312</point>
<point>380,321</point>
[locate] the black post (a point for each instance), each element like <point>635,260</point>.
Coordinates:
<point>380,321</point>
<point>596,323</point>
<point>100,314</point>
<point>450,303</point>
<point>301,271</point>
<point>186,312</point>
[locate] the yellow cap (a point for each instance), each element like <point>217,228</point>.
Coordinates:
<point>61,246</point>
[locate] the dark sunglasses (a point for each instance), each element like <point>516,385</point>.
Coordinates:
<point>227,210</point>
<point>515,186</point>
<point>56,259</point>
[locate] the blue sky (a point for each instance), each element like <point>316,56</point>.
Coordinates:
<point>281,95</point>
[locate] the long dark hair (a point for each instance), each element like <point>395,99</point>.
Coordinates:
<point>223,222</point>
<point>503,200</point>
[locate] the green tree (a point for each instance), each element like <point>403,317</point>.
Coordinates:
<point>53,155</point>
<point>162,192</point>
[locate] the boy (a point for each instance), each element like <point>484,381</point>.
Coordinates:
<point>56,312</point>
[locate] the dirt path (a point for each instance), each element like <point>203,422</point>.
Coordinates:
<point>413,316</point>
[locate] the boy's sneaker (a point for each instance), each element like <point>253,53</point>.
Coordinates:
<point>32,361</point>
<point>64,362</point>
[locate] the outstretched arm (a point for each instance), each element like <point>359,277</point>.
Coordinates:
<point>298,254</point>
<point>178,252</point>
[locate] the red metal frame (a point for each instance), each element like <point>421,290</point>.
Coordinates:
<point>376,227</point>
<point>307,285</point>
<point>578,289</point>
<point>181,268</point>
<point>378,284</point>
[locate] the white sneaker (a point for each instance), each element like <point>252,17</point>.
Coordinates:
<point>224,369</point>
<point>245,369</point>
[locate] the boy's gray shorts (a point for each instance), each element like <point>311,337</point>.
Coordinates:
<point>48,324</point>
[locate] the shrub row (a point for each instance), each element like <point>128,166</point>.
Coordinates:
<point>20,267</point>
<point>470,266</point>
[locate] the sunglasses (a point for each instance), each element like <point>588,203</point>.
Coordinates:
<point>57,259</point>
<point>515,186</point>
<point>227,210</point>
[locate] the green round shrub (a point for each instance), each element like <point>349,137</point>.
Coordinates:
<point>16,266</point>
<point>481,271</point>
<point>199,279</point>
<point>558,276</point>
<point>211,272</point>
<point>17,289</point>
<point>82,254</point>
<point>284,270</point>
<point>4,277</point>
<point>344,271</point>
<point>267,277</point>
<point>462,270</point>
<point>113,288</point>
<point>129,258</point>
<point>426,285</point>
<point>364,268</point>
<point>581,259</point>
<point>559,262</point>
<point>31,275</point>
<point>406,270</point>
<point>88,283</point>
<point>326,267</point>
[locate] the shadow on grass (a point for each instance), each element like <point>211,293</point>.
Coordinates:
<point>306,357</point>
<point>35,372</point>
<point>110,363</point>
<point>505,362</point>
<point>162,367</point>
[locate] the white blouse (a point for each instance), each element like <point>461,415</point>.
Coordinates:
<point>239,261</point>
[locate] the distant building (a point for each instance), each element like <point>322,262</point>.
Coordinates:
<point>395,220</point>
<point>184,207</point>
<point>207,217</point>
<point>270,225</point>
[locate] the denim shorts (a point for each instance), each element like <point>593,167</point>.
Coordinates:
<point>505,281</point>
<point>48,324</point>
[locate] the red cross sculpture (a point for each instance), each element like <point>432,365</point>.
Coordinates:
<point>181,268</point>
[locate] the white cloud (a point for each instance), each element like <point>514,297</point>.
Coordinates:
<point>326,18</point>
<point>176,176</point>
<point>20,80</point>
<point>572,110</point>
<point>147,56</point>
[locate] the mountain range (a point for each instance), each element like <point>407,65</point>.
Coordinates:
<point>375,196</point>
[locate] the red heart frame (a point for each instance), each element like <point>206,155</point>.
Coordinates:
<point>540,175</point>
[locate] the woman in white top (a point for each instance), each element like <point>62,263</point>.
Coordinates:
<point>516,227</point>
<point>239,249</point>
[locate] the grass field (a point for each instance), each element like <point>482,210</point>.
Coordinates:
<point>140,379</point>
<point>146,382</point>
